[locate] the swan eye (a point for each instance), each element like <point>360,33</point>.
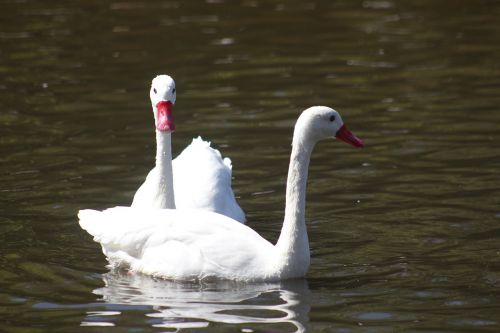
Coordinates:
<point>173,91</point>
<point>332,118</point>
<point>154,90</point>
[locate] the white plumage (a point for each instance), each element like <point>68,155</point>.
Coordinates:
<point>178,244</point>
<point>202,179</point>
<point>186,244</point>
<point>199,178</point>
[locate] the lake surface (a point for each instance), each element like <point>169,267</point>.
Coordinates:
<point>404,234</point>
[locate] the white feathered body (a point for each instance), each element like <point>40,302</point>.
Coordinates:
<point>202,180</point>
<point>181,244</point>
<point>185,244</point>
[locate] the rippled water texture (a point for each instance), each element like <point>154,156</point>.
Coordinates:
<point>405,234</point>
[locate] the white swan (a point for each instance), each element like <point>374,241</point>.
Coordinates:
<point>195,244</point>
<point>197,178</point>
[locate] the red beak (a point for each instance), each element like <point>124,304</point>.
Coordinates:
<point>345,135</point>
<point>164,119</point>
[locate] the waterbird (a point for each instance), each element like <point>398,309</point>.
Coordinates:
<point>198,178</point>
<point>193,244</point>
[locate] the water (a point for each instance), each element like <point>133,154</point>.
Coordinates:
<point>404,233</point>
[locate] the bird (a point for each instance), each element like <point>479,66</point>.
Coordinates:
<point>193,244</point>
<point>198,178</point>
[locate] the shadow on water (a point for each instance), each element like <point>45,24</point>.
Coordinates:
<point>282,306</point>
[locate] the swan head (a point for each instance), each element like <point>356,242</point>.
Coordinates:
<point>163,97</point>
<point>321,122</point>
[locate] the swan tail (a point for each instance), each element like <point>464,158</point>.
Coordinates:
<point>108,226</point>
<point>118,232</point>
<point>89,220</point>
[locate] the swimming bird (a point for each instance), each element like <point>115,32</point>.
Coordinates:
<point>194,244</point>
<point>198,178</point>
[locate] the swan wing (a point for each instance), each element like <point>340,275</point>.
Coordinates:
<point>179,244</point>
<point>202,180</point>
<point>147,194</point>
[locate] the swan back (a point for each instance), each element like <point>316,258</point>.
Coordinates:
<point>180,244</point>
<point>202,180</point>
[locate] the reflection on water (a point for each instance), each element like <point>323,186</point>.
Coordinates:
<point>179,305</point>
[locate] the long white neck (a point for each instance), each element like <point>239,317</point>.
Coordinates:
<point>293,243</point>
<point>164,167</point>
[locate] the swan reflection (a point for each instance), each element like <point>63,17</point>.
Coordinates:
<point>180,305</point>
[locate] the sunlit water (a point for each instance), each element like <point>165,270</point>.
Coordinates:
<point>404,234</point>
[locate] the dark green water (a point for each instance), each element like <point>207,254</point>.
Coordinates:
<point>405,234</point>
